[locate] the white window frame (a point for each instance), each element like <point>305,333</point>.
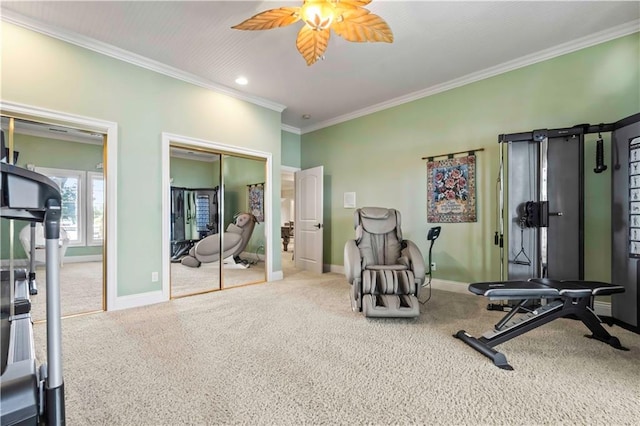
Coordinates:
<point>91,177</point>
<point>81,213</point>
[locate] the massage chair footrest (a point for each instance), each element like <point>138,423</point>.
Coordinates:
<point>390,305</point>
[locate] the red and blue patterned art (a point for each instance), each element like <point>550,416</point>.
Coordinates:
<point>256,201</point>
<point>451,190</point>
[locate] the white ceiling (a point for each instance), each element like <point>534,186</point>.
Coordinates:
<point>438,45</point>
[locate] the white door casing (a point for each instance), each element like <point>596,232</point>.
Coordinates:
<point>109,128</point>
<point>309,229</point>
<point>185,141</point>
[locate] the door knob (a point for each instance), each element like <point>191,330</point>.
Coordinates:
<point>319,225</point>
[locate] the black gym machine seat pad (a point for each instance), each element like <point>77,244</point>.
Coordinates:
<point>566,298</point>
<point>543,288</point>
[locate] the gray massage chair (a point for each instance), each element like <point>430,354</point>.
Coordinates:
<point>385,271</point>
<point>235,239</point>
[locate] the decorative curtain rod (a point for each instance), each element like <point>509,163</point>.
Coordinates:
<point>450,155</point>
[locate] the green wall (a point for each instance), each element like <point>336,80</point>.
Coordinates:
<point>53,153</point>
<point>41,71</point>
<point>598,84</point>
<point>238,173</point>
<point>378,156</point>
<point>187,173</point>
<point>290,149</point>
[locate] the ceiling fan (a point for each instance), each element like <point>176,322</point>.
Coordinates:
<point>347,18</point>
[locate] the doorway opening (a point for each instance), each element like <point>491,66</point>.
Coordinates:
<point>287,218</point>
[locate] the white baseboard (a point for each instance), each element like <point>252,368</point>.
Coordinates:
<point>137,300</point>
<point>452,286</point>
<point>602,309</point>
<point>338,269</point>
<point>276,276</point>
<point>80,259</point>
<point>24,263</point>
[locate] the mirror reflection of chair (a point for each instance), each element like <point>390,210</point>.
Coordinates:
<point>236,238</point>
<point>385,271</point>
<point>40,251</point>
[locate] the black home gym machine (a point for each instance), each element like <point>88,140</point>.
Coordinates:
<point>625,222</point>
<point>544,204</point>
<point>28,395</point>
<point>194,215</point>
<point>542,210</point>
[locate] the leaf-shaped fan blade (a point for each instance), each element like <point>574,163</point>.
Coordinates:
<point>269,19</point>
<point>360,25</point>
<point>312,43</point>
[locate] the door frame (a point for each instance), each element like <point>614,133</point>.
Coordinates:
<point>167,140</point>
<point>110,128</point>
<point>289,169</point>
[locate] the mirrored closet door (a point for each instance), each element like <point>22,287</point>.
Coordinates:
<point>195,201</point>
<point>73,159</point>
<point>216,219</point>
<point>244,180</point>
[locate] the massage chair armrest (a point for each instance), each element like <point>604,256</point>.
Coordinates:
<point>416,262</point>
<point>352,261</point>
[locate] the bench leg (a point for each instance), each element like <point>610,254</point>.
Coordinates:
<point>593,323</point>
<point>573,308</point>
<point>498,358</point>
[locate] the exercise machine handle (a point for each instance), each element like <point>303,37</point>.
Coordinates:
<point>600,166</point>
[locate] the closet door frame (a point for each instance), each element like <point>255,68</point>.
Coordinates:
<point>169,139</point>
<point>110,299</point>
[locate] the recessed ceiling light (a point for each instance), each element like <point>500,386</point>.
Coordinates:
<point>242,81</point>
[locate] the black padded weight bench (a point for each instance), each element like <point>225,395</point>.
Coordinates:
<point>564,299</point>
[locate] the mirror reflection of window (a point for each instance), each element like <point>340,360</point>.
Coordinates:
<point>82,216</point>
<point>95,234</point>
<point>71,184</point>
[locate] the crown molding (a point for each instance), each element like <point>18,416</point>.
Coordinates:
<point>150,64</point>
<point>132,58</point>
<point>543,55</point>
<point>290,129</point>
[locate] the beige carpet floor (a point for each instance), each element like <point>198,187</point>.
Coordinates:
<point>186,280</point>
<point>81,284</point>
<point>80,289</point>
<point>292,352</point>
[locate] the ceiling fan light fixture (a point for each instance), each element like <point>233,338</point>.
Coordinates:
<point>347,18</point>
<point>318,15</point>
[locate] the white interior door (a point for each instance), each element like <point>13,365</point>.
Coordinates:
<point>309,220</point>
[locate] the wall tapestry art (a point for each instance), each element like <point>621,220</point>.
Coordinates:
<point>256,200</point>
<point>451,190</point>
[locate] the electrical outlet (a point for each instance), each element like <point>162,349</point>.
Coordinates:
<point>433,266</point>
<point>154,277</point>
